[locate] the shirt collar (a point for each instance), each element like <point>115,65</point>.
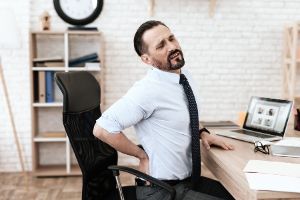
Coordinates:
<point>165,76</point>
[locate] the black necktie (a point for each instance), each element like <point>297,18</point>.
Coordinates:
<point>194,121</point>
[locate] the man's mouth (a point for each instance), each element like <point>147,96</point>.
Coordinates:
<point>174,55</point>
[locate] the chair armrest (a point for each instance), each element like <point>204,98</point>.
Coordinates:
<point>144,176</point>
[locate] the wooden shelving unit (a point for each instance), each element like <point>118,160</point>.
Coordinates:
<point>291,61</point>
<point>47,116</point>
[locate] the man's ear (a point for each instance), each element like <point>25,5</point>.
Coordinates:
<point>146,59</point>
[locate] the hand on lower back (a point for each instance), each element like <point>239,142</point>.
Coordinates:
<point>144,165</point>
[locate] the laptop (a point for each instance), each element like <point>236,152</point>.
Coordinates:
<point>266,119</point>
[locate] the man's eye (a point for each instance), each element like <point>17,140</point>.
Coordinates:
<point>159,47</point>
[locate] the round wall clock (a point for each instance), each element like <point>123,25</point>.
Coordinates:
<point>78,12</point>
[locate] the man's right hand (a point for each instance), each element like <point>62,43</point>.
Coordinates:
<point>144,162</point>
<point>121,143</point>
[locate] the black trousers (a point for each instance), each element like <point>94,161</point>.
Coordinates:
<point>208,189</point>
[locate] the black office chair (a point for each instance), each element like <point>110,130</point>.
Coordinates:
<point>96,159</point>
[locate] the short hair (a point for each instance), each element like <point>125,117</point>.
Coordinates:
<point>139,45</point>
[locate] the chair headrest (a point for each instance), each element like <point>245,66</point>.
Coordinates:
<point>81,91</point>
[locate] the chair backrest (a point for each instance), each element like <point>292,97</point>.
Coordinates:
<point>81,109</point>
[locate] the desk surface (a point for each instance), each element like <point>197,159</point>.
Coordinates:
<point>227,167</point>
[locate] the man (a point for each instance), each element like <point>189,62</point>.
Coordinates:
<point>160,110</point>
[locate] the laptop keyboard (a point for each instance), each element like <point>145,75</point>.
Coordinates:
<point>251,133</point>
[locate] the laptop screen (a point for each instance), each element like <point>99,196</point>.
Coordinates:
<point>268,115</point>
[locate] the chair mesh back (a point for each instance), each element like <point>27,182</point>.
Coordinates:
<point>93,155</point>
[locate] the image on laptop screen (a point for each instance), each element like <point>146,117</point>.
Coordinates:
<point>268,115</point>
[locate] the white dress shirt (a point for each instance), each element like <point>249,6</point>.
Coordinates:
<point>157,107</point>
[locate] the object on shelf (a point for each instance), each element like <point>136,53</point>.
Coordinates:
<point>53,134</point>
<point>36,87</point>
<point>50,64</point>
<point>44,90</point>
<point>92,65</point>
<point>45,21</point>
<point>42,86</point>
<point>79,61</point>
<point>297,120</point>
<point>58,96</point>
<point>49,86</point>
<point>48,59</point>
<point>82,28</point>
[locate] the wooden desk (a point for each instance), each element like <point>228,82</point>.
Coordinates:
<point>227,167</point>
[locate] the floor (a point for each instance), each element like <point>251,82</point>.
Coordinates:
<point>16,186</point>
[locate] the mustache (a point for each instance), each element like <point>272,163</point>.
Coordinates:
<point>173,52</point>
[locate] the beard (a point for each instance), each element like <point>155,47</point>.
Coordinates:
<point>168,65</point>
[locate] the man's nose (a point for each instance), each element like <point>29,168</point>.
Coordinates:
<point>171,46</point>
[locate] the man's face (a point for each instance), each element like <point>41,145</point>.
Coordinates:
<point>163,50</point>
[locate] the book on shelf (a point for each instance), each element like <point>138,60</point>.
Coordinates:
<point>219,124</point>
<point>48,59</point>
<point>41,86</point>
<point>44,86</point>
<point>80,61</point>
<point>58,96</point>
<point>53,134</point>
<point>50,64</point>
<point>92,65</point>
<point>49,86</point>
<point>36,86</point>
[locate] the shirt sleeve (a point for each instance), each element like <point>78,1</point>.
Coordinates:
<point>127,111</point>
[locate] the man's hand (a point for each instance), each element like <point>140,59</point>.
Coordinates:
<point>144,165</point>
<point>144,162</point>
<point>121,143</point>
<point>210,139</point>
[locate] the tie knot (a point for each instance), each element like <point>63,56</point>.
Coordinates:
<point>182,79</point>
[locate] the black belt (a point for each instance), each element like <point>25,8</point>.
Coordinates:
<point>175,182</point>
<point>140,182</point>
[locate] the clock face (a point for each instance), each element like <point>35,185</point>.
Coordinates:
<point>78,12</point>
<point>78,9</point>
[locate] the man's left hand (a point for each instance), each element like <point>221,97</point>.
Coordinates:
<point>210,139</point>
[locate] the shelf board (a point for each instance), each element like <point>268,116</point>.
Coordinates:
<point>64,69</point>
<point>63,32</point>
<point>48,32</point>
<point>49,139</point>
<point>84,32</point>
<point>83,69</point>
<point>54,104</point>
<point>48,68</point>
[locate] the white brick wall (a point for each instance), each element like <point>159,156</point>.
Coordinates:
<point>233,56</point>
<point>15,63</point>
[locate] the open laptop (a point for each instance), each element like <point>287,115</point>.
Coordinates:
<point>266,119</point>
